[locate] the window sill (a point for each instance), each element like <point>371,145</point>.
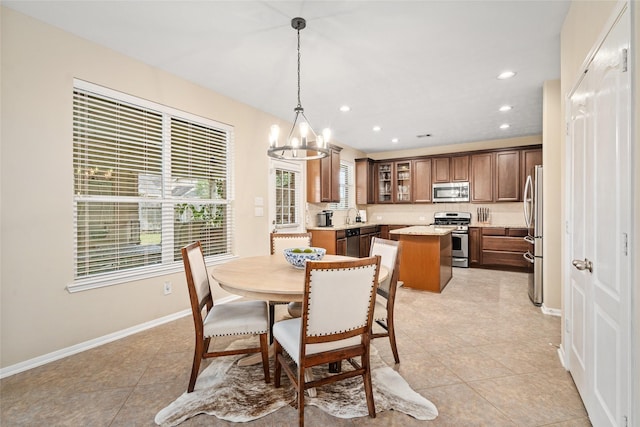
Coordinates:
<point>133,275</point>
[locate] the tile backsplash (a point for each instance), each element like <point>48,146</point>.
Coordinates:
<point>500,214</point>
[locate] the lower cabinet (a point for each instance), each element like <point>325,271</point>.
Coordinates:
<point>366,234</point>
<point>503,247</point>
<point>475,246</point>
<point>335,241</point>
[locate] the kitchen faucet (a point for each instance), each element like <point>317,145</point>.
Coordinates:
<point>347,219</point>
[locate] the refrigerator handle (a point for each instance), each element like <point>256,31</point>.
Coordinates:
<point>527,202</point>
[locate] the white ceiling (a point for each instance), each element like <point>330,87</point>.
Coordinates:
<point>411,67</point>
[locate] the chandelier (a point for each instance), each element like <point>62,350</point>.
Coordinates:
<point>302,143</point>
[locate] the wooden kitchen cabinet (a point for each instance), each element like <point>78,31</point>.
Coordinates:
<point>529,158</point>
<point>459,168</point>
<point>475,248</point>
<point>323,178</point>
<point>422,180</point>
<point>440,169</point>
<point>402,182</point>
<point>384,182</point>
<point>334,241</point>
<point>504,247</point>
<point>366,234</point>
<point>507,176</point>
<point>365,181</point>
<point>481,179</point>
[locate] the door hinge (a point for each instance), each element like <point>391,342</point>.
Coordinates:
<point>626,421</point>
<point>625,63</point>
<point>625,244</point>
<point>566,326</point>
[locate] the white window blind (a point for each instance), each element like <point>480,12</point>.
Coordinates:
<point>346,184</point>
<point>147,181</point>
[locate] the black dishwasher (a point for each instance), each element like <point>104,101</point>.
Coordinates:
<point>353,242</point>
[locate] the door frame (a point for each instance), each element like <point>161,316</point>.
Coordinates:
<point>634,328</point>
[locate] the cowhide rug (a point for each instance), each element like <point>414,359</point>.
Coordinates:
<point>239,394</point>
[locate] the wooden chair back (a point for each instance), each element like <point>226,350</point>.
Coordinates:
<point>281,241</point>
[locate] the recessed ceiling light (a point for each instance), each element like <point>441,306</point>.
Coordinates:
<point>345,108</point>
<point>506,75</point>
<point>505,126</point>
<point>395,140</point>
<point>377,128</point>
<point>505,108</point>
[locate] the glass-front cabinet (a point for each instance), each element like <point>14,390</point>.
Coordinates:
<point>403,182</point>
<point>385,183</point>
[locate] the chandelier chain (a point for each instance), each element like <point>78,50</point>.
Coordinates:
<point>299,103</point>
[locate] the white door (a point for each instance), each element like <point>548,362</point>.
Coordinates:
<point>600,275</point>
<point>286,197</point>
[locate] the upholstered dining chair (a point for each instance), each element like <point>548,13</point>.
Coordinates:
<point>337,315</point>
<point>279,242</point>
<point>239,318</point>
<point>389,251</point>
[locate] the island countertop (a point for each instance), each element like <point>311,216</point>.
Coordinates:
<point>424,230</point>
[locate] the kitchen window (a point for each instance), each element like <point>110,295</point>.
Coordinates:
<point>148,180</point>
<point>346,187</point>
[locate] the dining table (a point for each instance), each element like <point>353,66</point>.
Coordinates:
<point>269,278</point>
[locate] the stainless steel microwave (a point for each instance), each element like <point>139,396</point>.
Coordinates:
<point>451,192</point>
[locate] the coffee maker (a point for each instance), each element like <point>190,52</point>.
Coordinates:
<point>325,219</point>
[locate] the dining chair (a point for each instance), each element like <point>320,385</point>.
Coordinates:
<point>337,315</point>
<point>389,251</point>
<point>238,318</point>
<point>280,242</point>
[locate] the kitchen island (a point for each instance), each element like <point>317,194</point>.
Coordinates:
<point>425,260</point>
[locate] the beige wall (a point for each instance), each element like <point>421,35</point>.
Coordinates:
<point>39,63</point>
<point>552,224</point>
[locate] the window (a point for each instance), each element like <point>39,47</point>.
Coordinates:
<point>286,191</point>
<point>346,187</point>
<point>147,181</point>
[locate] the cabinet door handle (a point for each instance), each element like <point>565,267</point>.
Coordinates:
<point>527,255</point>
<point>583,265</point>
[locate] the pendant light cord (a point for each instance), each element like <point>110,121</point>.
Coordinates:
<point>299,103</point>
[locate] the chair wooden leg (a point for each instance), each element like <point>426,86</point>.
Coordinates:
<point>264,346</point>
<point>300,387</point>
<point>392,339</point>
<point>195,367</point>
<point>368,387</point>
<point>277,368</point>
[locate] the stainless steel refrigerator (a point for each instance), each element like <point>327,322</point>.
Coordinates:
<point>533,218</point>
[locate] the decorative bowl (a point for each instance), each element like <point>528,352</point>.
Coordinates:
<point>298,256</point>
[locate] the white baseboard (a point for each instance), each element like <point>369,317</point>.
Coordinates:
<point>561,356</point>
<point>550,311</point>
<point>78,348</point>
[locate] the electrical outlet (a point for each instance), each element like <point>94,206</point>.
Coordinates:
<point>167,288</point>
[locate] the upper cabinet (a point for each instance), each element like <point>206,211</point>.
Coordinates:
<point>384,183</point>
<point>459,168</point>
<point>365,184</point>
<point>507,176</point>
<point>323,178</point>
<point>450,169</point>
<point>481,181</point>
<point>529,157</point>
<point>440,169</point>
<point>493,175</point>
<point>421,180</point>
<point>402,182</point>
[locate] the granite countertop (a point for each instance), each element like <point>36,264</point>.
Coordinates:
<point>343,226</point>
<point>424,230</point>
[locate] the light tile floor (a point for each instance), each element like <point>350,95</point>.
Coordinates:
<point>480,351</point>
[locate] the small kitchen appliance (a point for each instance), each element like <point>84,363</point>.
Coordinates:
<point>325,219</point>
<point>450,192</point>
<point>459,237</point>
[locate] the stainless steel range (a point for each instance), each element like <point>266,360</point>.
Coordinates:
<point>459,237</point>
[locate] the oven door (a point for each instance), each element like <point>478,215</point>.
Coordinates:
<point>460,249</point>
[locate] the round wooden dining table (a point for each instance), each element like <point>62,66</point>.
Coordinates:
<point>269,277</point>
